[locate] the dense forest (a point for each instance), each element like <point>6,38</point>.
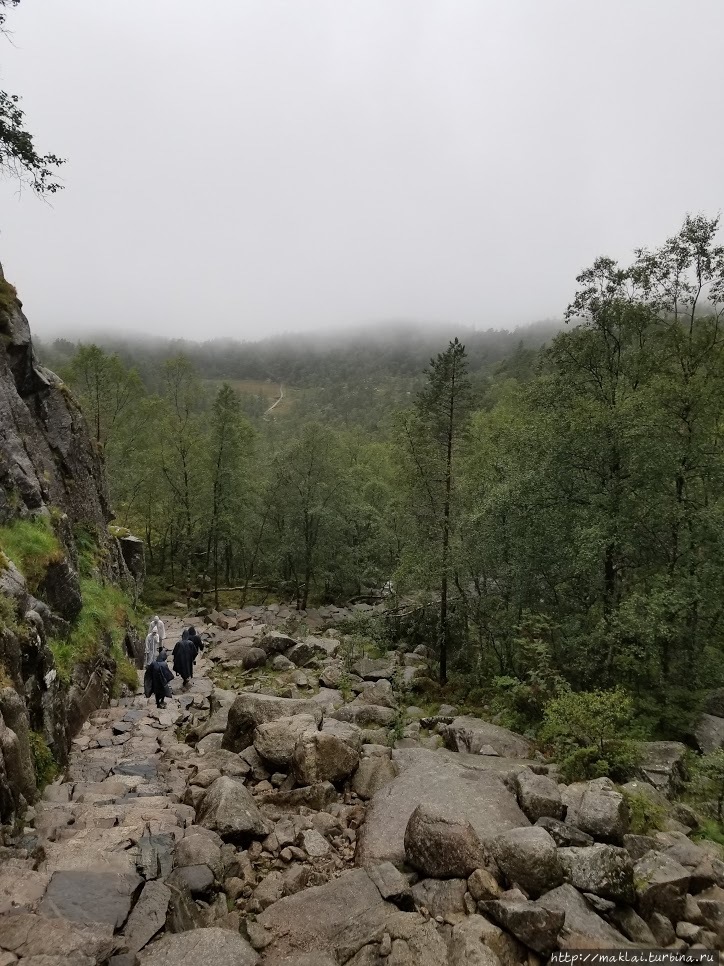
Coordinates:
<point>547,502</point>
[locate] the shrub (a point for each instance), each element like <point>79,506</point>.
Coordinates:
<point>707,782</point>
<point>646,816</point>
<point>44,764</point>
<point>590,733</point>
<point>8,297</point>
<point>32,546</point>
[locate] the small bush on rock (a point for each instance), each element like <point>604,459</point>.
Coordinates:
<point>646,816</point>
<point>589,732</point>
<point>707,783</point>
<point>43,762</point>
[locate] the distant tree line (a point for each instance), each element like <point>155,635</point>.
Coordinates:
<point>554,520</point>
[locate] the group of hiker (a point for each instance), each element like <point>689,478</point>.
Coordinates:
<point>158,673</point>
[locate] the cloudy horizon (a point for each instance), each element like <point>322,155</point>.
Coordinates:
<point>253,168</point>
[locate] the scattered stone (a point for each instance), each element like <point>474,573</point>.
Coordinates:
<point>597,808</point>
<point>661,885</point>
<point>468,734</point>
<point>604,870</point>
<point>440,843</point>
<point>320,756</point>
<point>275,740</point>
<point>531,923</point>
<point>539,796</point>
<point>229,810</point>
<point>564,834</point>
<point>392,885</point>
<point>528,857</point>
<point>372,775</point>
<point>483,886</point>
<point>219,947</point>
<point>148,916</point>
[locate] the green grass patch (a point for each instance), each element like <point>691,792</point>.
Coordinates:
<point>710,829</point>
<point>646,816</point>
<point>105,615</point>
<point>46,767</point>
<point>32,546</point>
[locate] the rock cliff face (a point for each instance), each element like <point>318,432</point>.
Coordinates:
<point>49,468</point>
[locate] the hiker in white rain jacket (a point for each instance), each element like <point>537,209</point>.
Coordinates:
<point>157,625</point>
<point>153,646</point>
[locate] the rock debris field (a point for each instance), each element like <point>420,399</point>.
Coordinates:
<point>318,818</point>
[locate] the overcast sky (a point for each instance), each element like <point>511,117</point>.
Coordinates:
<point>242,167</point>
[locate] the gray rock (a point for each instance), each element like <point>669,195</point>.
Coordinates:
<point>564,834</point>
<point>597,808</point>
<point>530,923</point>
<point>528,857</point>
<point>581,922</point>
<point>430,778</point>
<point>155,855</point>
<point>275,740</point>
<point>314,844</point>
<point>91,897</point>
<point>662,929</point>
<point>316,797</point>
<point>475,939</point>
<point>276,643</point>
<point>229,810</point>
<point>250,710</point>
<point>633,926</point>
<point>539,796</point>
<point>440,843</point>
<point>604,870</point>
<point>30,936</point>
<point>349,733</point>
<point>372,669</point>
<point>148,916</point>
<point>709,733</point>
<point>198,880</point>
<point>320,756</point>
<point>340,917</point>
<point>220,947</point>
<point>372,775</point>
<point>441,897</point>
<point>365,715</point>
<point>661,885</point>
<point>483,886</point>
<point>663,764</point>
<point>468,734</point>
<point>199,850</point>
<point>392,885</point>
<point>379,692</point>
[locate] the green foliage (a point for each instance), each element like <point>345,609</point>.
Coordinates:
<point>44,764</point>
<point>588,731</point>
<point>646,816</point>
<point>32,546</point>
<point>707,782</point>
<point>105,614</point>
<point>710,830</point>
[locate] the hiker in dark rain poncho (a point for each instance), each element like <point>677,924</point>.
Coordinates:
<point>193,636</point>
<point>156,679</point>
<point>184,655</point>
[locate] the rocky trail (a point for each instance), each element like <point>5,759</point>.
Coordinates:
<point>311,816</point>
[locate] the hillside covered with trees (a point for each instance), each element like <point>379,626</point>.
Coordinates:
<point>551,515</point>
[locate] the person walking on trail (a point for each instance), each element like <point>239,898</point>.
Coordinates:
<point>153,645</point>
<point>158,625</point>
<point>193,636</point>
<point>156,680</point>
<point>184,655</point>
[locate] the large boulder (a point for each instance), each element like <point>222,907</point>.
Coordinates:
<point>275,740</point>
<point>604,870</point>
<point>240,653</point>
<point>663,764</point>
<point>581,922</point>
<point>530,923</point>
<point>33,937</point>
<point>474,932</point>
<point>320,756</point>
<point>276,643</point>
<point>372,775</point>
<point>468,734</point>
<point>250,710</point>
<point>528,857</point>
<point>709,733</point>
<point>91,897</point>
<point>661,885</point>
<point>596,807</point>
<point>220,947</point>
<point>148,916</point>
<point>339,917</point>
<point>432,778</point>
<point>539,796</point>
<point>229,810</point>
<point>442,844</point>
<point>365,715</point>
<point>374,669</point>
